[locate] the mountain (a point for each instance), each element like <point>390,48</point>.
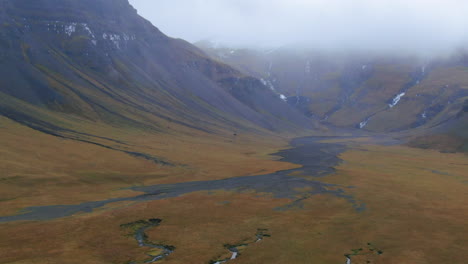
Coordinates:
<point>79,69</point>
<point>451,136</point>
<point>119,144</point>
<point>373,92</point>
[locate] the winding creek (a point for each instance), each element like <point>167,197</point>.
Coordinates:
<point>235,249</point>
<point>317,160</point>
<point>140,228</point>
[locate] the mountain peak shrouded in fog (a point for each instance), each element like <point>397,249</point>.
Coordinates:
<point>429,27</point>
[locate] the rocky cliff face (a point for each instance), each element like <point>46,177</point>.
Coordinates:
<point>100,61</point>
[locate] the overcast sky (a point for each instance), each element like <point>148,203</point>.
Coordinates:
<point>423,26</point>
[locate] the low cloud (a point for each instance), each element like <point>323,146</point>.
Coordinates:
<point>415,26</point>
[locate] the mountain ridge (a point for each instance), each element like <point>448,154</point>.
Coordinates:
<point>373,92</point>
<point>70,64</point>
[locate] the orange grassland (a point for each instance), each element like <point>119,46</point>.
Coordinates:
<point>416,207</point>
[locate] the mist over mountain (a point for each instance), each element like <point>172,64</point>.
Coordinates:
<point>295,132</point>
<point>429,28</point>
<point>368,91</point>
<point>100,63</point>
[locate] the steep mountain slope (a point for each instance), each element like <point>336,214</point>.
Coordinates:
<point>94,99</point>
<point>372,92</point>
<point>70,68</point>
<point>119,144</point>
<point>451,136</point>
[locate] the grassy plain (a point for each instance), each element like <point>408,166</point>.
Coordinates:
<point>415,201</point>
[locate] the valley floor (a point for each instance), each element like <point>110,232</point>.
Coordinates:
<point>381,203</point>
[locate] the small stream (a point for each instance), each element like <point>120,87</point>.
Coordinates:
<point>140,235</point>
<point>142,239</point>
<point>317,160</point>
<point>234,256</point>
<point>234,249</point>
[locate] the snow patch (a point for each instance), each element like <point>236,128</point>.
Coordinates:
<point>396,100</point>
<point>269,84</point>
<point>364,67</point>
<point>424,115</point>
<point>87,29</point>
<point>70,29</point>
<point>116,38</point>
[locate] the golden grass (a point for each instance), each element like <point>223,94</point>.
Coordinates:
<point>39,169</point>
<point>416,202</point>
<point>415,199</point>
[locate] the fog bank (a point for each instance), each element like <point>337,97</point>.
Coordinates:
<point>415,26</point>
